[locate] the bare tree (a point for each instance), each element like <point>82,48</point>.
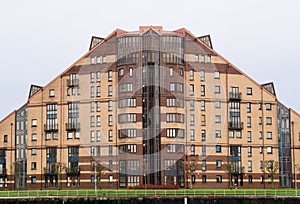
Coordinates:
<point>229,169</point>
<point>190,167</point>
<point>16,169</point>
<point>270,167</point>
<point>99,169</point>
<point>59,168</point>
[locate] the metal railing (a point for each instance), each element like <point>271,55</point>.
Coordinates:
<point>150,193</point>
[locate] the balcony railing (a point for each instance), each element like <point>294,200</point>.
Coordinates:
<point>235,96</point>
<point>51,128</point>
<point>3,172</point>
<point>235,125</point>
<point>73,171</point>
<point>72,126</point>
<point>50,171</point>
<point>72,83</point>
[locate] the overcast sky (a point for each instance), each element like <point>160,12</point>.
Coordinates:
<point>40,39</point>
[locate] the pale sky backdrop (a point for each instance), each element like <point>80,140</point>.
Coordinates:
<point>40,39</point>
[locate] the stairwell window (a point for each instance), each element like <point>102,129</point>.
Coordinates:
<point>249,91</point>
<point>51,93</point>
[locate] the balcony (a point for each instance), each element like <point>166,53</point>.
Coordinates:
<point>73,83</point>
<point>50,171</point>
<point>72,126</point>
<point>74,171</point>
<point>3,172</point>
<point>235,96</point>
<point>51,128</point>
<point>235,125</point>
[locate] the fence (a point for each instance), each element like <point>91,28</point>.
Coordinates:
<point>149,193</point>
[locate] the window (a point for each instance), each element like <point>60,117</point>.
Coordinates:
<point>269,135</point>
<point>173,132</point>
<point>218,149</point>
<point>260,149</point>
<point>202,75</point>
<point>180,71</point>
<point>98,105</point>
<point>121,72</point>
<point>92,77</point>
<point>127,118</point>
<point>177,117</point>
<point>238,134</point>
<point>203,135</point>
<point>92,121</point>
<point>202,58</point>
<point>203,178</point>
<point>249,151</point>
<point>202,90</point>
<point>33,180</point>
<point>110,105</point>
<point>172,86</point>
<point>196,58</point>
<point>203,105</point>
<point>126,87</point>
<point>191,90</point>
<point>92,60</point>
<point>92,91</point>
<point>217,89</point>
<point>203,150</point>
<point>208,59</point>
<point>249,166</point>
<point>269,150</point>
<point>98,136</point>
<point>217,75</point>
<point>248,121</point>
<point>110,165</point>
<point>104,59</point>
<point>219,179</point>
<point>218,133</point>
<point>110,120</point>
<point>70,135</point>
<point>110,92</point>
<point>92,106</point>
<point>192,105</point>
<point>33,137</point>
<point>130,71</point>
<point>33,151</point>
<point>110,179</point>
<point>249,91</point>
<point>98,118</point>
<point>260,164</point>
<point>248,107</point>
<point>260,120</point>
<point>110,150</point>
<point>299,136</point>
<point>249,136</point>
<point>131,102</point>
<point>250,179</point>
<point>218,118</point>
<point>261,179</point>
<point>33,122</point>
<point>231,134</point>
<point>260,135</point>
<point>217,104</point>
<point>92,134</point>
<point>203,165</point>
<point>192,150</point>
<point>98,76</point>
<point>33,165</point>
<point>171,71</point>
<point>110,135</point>
<point>109,74</point>
<point>51,93</point>
<point>5,139</point>
<point>192,120</point>
<point>192,135</point>
<point>191,75</point>
<point>218,164</point>
<point>269,121</point>
<point>98,94</point>
<point>268,106</point>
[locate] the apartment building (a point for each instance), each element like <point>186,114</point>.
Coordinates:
<point>150,107</point>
